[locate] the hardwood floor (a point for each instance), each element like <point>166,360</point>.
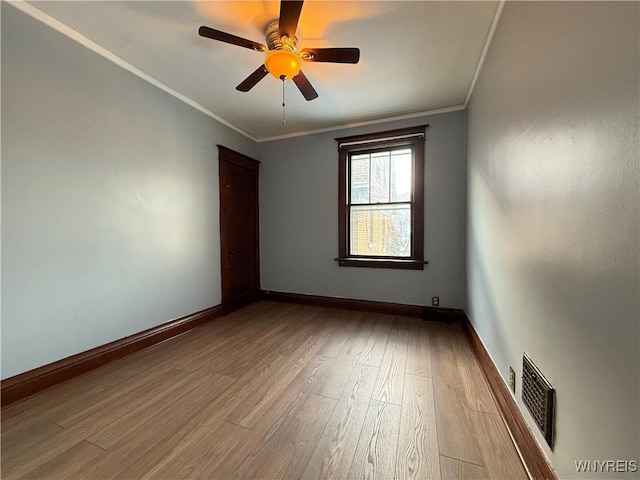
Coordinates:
<point>273,390</point>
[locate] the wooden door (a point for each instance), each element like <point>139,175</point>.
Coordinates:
<point>239,239</point>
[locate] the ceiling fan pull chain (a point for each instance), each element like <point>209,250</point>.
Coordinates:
<point>284,120</point>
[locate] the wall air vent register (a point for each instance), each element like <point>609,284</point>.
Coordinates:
<point>539,397</point>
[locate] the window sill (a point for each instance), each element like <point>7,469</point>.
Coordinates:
<point>400,264</point>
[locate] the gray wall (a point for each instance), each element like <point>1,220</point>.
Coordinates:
<point>553,213</point>
<point>109,200</point>
<point>299,227</point>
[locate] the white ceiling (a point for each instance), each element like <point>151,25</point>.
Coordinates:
<point>416,56</point>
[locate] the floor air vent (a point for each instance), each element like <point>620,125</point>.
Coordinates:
<point>539,397</point>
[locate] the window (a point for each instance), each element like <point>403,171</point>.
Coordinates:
<point>381,199</point>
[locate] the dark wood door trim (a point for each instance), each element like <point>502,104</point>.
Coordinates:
<point>229,302</point>
<point>239,159</point>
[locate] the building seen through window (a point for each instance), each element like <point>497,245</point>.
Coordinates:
<point>382,199</point>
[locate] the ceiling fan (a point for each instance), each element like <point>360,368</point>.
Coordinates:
<point>283,60</point>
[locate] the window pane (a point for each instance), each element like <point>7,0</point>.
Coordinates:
<point>380,177</point>
<point>401,176</point>
<point>360,178</point>
<point>381,230</point>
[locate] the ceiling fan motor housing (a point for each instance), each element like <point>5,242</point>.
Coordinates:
<point>282,61</point>
<point>275,42</point>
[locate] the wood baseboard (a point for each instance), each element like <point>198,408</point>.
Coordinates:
<point>345,303</point>
<point>400,309</point>
<point>531,452</point>
<point>25,384</point>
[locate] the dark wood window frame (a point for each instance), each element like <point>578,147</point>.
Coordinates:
<point>413,138</point>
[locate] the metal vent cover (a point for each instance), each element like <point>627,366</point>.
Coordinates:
<point>539,397</point>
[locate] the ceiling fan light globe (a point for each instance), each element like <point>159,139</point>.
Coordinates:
<point>282,63</point>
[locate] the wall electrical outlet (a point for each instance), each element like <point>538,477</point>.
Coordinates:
<point>512,380</point>
<point>435,301</point>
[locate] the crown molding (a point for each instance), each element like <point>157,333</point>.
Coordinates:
<point>485,49</point>
<point>363,123</point>
<point>112,57</point>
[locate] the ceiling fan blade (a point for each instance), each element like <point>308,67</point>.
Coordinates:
<point>303,84</point>
<point>232,39</point>
<point>251,81</point>
<point>289,16</point>
<point>331,55</point>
